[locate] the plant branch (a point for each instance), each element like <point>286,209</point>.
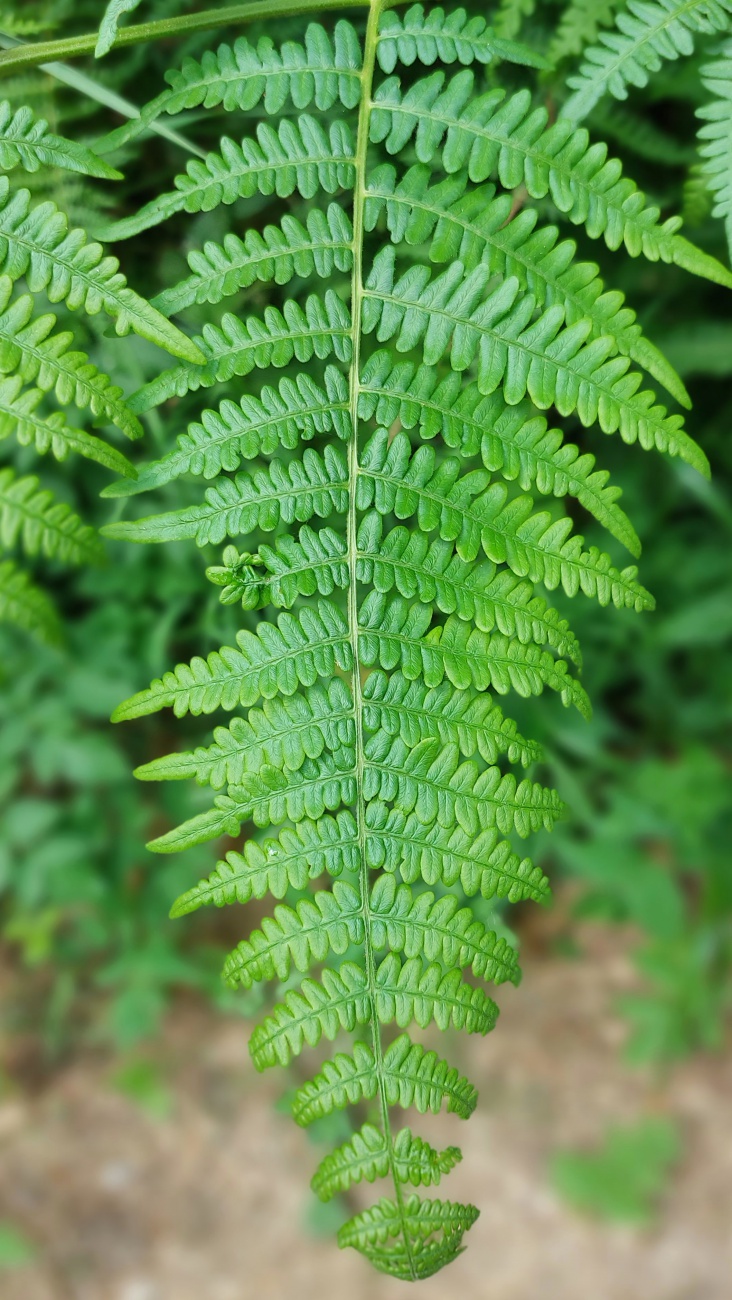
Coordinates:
<point>74,47</point>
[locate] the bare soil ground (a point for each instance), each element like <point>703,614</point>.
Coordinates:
<point>212,1202</point>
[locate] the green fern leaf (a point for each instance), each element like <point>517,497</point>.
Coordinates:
<point>297,157</point>
<point>36,242</point>
<point>297,410</point>
<point>110,22</point>
<point>371,1232</point>
<point>321,328</point>
<point>365,728</point>
<point>512,440</point>
<point>321,70</point>
<point>580,25</point>
<point>27,606</point>
<point>26,141</point>
<point>41,524</point>
<point>276,659</point>
<point>320,246</point>
<point>555,366</point>
<point>716,137</point>
<point>645,34</point>
<point>474,227</point>
<point>366,1155</point>
<point>298,855</point>
<point>508,138</point>
<point>413,1076</point>
<point>340,1000</point>
<point>450,38</point>
<point>30,350</point>
<point>19,416</point>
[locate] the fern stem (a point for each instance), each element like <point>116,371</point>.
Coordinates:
<point>73,47</point>
<point>357,293</point>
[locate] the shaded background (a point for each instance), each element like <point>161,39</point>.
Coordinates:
<point>140,1158</point>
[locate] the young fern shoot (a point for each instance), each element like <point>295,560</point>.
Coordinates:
<point>390,559</point>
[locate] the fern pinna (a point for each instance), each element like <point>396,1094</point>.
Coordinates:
<point>392,591</point>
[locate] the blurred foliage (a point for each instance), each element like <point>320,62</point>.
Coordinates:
<point>624,1179</point>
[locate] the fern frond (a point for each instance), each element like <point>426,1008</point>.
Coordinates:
<point>366,1156</point>
<point>491,134</point>
<point>36,242</point>
<point>300,157</point>
<point>27,141</point>
<point>716,137</point>
<point>413,1077</point>
<point>365,726</point>
<point>645,33</point>
<point>41,524</point>
<point>428,37</point>
<point>321,71</point>
<point>27,606</point>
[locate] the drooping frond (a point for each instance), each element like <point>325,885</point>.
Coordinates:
<point>27,141</point>
<point>716,137</point>
<point>376,501</point>
<point>646,32</point>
